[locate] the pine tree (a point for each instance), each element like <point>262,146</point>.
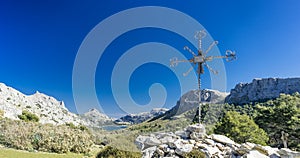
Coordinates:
<point>241,128</point>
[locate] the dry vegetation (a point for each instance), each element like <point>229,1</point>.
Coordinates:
<point>48,138</point>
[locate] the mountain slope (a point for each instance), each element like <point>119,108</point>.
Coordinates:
<point>189,101</point>
<point>48,109</point>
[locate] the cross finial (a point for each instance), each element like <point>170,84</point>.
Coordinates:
<point>200,60</point>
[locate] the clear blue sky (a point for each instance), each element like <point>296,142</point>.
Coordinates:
<point>39,41</point>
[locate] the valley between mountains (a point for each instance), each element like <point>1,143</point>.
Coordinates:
<point>257,119</point>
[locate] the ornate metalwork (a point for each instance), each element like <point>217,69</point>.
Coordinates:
<point>200,60</point>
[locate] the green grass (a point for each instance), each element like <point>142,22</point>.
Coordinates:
<point>12,153</point>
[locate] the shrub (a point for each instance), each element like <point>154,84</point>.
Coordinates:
<point>1,113</point>
<point>71,125</point>
<point>195,154</point>
<point>241,129</point>
<point>38,105</point>
<point>27,116</point>
<point>83,128</point>
<point>110,152</point>
<point>281,114</point>
<point>44,137</point>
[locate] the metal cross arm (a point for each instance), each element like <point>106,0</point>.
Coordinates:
<point>229,56</point>
<point>200,60</point>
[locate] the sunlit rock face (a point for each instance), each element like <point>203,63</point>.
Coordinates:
<point>190,101</point>
<point>94,118</point>
<point>47,108</point>
<point>262,90</point>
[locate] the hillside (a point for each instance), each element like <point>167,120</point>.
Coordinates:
<point>189,101</point>
<point>47,108</point>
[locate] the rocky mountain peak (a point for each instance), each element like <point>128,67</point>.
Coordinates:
<point>189,101</point>
<point>47,108</point>
<point>262,89</point>
<point>141,117</point>
<point>95,114</point>
<point>158,111</point>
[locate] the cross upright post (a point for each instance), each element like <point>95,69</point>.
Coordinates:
<point>199,60</point>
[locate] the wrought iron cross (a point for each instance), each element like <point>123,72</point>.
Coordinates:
<point>199,60</point>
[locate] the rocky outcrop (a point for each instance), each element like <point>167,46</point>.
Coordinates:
<point>94,118</point>
<point>189,101</point>
<point>262,89</point>
<point>141,117</point>
<point>213,146</point>
<point>47,108</point>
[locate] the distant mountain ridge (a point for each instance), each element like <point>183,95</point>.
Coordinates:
<point>262,89</point>
<point>94,118</point>
<point>141,117</point>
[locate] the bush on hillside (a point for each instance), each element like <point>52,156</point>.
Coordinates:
<point>281,114</point>
<point>241,129</point>
<point>28,116</point>
<point>48,138</point>
<point>110,152</point>
<point>195,154</point>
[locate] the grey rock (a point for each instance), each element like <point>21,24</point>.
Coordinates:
<point>164,147</point>
<point>220,146</point>
<point>160,152</point>
<point>271,152</point>
<point>201,145</point>
<point>171,154</point>
<point>176,144</point>
<point>197,136</point>
<point>183,134</point>
<point>152,141</point>
<point>287,153</point>
<point>167,140</point>
<point>262,89</point>
<point>199,128</point>
<point>211,151</point>
<point>215,146</point>
<point>183,149</point>
<point>254,154</point>
<point>149,152</point>
<point>162,135</point>
<point>222,139</point>
<point>209,141</point>
<point>139,142</point>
